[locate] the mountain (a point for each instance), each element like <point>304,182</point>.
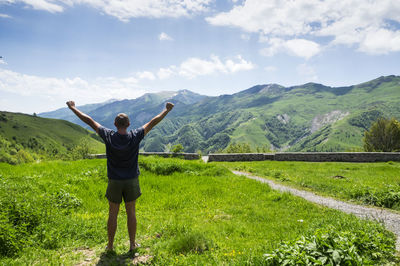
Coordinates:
<point>23,135</point>
<point>140,109</point>
<point>308,117</point>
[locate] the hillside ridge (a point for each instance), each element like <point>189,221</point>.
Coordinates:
<point>308,117</point>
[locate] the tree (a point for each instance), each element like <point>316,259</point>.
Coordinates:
<point>177,148</point>
<point>383,136</point>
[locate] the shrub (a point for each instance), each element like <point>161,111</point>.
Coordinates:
<point>177,148</point>
<point>329,246</point>
<point>383,136</point>
<point>81,151</point>
<point>238,148</point>
<point>23,156</point>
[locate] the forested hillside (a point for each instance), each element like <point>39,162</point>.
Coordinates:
<point>309,117</point>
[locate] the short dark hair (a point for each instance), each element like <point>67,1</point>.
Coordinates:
<point>121,121</point>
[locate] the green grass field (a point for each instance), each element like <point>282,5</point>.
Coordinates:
<point>190,213</point>
<point>375,184</point>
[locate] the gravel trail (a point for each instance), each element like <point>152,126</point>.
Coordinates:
<point>390,219</point>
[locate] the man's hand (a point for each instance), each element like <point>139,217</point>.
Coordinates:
<point>71,104</point>
<point>169,106</point>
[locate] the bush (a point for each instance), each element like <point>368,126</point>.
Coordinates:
<point>383,136</point>
<point>81,151</point>
<point>177,148</point>
<point>238,148</point>
<point>329,246</point>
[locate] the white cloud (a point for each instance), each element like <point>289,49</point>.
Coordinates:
<point>125,10</point>
<point>350,22</point>
<point>303,48</point>
<point>164,73</point>
<point>297,47</point>
<point>4,16</point>
<point>307,72</point>
<point>381,41</point>
<point>145,75</point>
<point>194,67</point>
<point>2,62</point>
<point>164,37</point>
<point>83,91</point>
<point>46,5</point>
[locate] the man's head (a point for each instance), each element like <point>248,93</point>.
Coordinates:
<point>121,121</point>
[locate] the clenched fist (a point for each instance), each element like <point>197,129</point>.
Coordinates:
<point>71,104</point>
<point>169,106</point>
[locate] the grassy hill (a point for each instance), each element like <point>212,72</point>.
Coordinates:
<point>26,137</point>
<point>309,117</point>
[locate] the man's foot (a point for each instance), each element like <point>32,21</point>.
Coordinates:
<point>134,247</point>
<point>108,249</point>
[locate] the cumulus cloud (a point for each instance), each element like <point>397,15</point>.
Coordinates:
<point>380,41</point>
<point>167,72</point>
<point>297,47</point>
<point>194,67</point>
<point>125,10</point>
<point>82,90</point>
<point>349,22</point>
<point>146,75</point>
<point>164,37</point>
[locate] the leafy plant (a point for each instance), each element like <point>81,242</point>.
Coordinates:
<point>332,247</point>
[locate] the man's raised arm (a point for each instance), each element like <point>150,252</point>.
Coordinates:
<point>84,117</point>
<point>157,119</point>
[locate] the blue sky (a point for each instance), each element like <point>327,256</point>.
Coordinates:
<point>94,50</point>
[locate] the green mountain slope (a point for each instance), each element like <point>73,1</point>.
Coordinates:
<point>309,117</point>
<point>26,135</point>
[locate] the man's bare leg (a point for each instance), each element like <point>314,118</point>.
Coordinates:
<point>112,223</point>
<point>131,213</point>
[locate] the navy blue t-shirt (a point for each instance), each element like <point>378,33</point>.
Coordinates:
<point>122,152</point>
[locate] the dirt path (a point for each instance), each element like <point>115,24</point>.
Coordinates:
<point>390,219</point>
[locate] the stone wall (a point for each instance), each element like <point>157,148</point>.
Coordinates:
<point>186,156</point>
<point>240,157</point>
<point>308,157</point>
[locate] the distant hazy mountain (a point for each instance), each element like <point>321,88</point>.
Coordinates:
<point>309,117</point>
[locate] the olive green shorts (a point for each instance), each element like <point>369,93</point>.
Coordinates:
<point>128,189</point>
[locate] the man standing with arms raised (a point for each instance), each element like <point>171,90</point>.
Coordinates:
<point>122,149</point>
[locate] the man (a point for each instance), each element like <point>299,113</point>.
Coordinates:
<point>122,149</point>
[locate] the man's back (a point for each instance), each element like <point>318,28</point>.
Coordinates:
<point>122,152</point>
